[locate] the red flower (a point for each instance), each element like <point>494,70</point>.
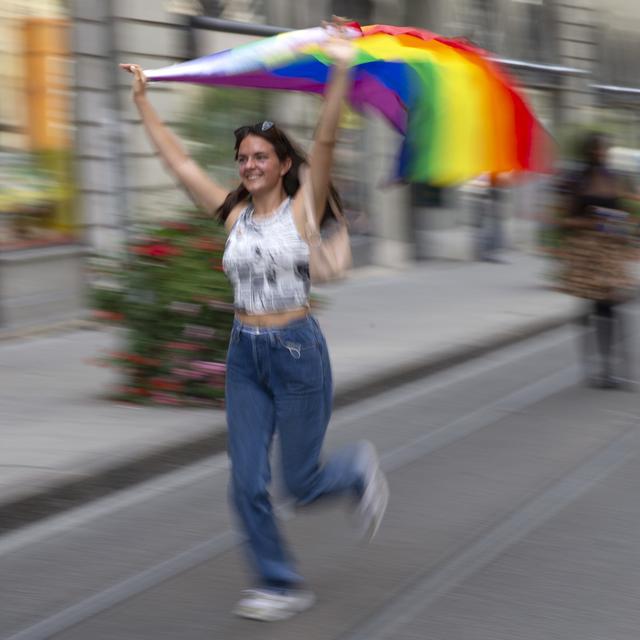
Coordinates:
<point>134,358</point>
<point>165,384</point>
<point>142,360</point>
<point>176,225</point>
<point>112,316</point>
<point>134,391</point>
<point>163,250</point>
<point>205,244</point>
<point>157,250</point>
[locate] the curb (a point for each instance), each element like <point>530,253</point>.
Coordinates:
<point>61,497</point>
<point>50,328</point>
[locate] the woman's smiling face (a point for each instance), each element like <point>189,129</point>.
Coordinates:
<point>258,164</point>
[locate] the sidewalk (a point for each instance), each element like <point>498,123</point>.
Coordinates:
<point>64,443</point>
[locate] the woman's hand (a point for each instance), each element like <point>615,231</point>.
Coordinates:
<point>341,51</point>
<point>207,194</point>
<point>339,47</point>
<point>139,87</point>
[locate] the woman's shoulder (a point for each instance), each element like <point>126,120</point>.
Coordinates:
<point>235,213</point>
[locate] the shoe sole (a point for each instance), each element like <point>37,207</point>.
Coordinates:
<point>267,614</point>
<point>372,530</point>
<point>260,615</point>
<point>382,487</point>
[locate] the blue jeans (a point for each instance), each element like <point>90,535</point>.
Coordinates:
<point>279,380</point>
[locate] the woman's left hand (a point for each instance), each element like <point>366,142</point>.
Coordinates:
<point>339,46</point>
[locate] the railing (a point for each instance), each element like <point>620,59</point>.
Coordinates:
<point>252,29</point>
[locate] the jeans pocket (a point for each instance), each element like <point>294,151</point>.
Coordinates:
<point>294,349</point>
<point>297,341</point>
<point>299,366</point>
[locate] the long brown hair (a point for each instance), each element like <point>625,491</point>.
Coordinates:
<point>284,149</point>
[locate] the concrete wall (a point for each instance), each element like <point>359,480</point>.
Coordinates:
<point>577,47</point>
<point>41,286</point>
<point>389,207</point>
<point>119,176</point>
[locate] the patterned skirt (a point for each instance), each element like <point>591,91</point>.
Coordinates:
<point>595,266</point>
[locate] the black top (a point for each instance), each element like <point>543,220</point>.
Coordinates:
<point>584,202</point>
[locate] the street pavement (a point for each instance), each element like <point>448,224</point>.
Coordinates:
<point>64,442</point>
<point>513,516</point>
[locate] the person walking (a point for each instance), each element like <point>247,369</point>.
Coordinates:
<point>278,377</point>
<point>489,213</point>
<point>596,255</point>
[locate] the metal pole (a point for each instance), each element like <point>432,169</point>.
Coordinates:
<point>535,66</point>
<point>233,26</point>
<point>253,29</point>
<point>610,88</point>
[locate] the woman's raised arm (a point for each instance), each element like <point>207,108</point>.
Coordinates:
<point>341,51</point>
<point>205,192</point>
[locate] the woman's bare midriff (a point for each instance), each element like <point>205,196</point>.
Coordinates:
<point>273,319</point>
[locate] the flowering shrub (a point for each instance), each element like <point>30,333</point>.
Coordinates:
<point>169,296</point>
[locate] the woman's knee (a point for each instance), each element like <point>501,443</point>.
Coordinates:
<point>299,485</point>
<point>248,488</point>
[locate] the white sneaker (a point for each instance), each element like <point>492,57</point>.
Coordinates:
<point>375,496</point>
<point>269,606</point>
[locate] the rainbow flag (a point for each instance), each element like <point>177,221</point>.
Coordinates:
<point>459,113</point>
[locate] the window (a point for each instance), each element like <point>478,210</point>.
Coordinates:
<point>35,126</point>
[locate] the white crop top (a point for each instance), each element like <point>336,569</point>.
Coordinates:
<point>267,262</point>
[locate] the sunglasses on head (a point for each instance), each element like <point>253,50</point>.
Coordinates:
<point>260,127</point>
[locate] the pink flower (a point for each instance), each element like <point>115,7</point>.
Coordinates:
<point>183,346</point>
<point>221,306</point>
<point>210,368</point>
<point>165,398</point>
<point>188,374</point>
<point>187,308</point>
<point>198,332</point>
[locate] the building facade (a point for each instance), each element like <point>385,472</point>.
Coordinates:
<point>41,258</point>
<point>570,57</point>
<point>575,59</point>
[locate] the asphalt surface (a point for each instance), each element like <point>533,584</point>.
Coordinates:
<point>513,515</point>
<point>64,443</point>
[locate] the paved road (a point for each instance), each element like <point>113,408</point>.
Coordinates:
<point>64,442</point>
<point>514,515</point>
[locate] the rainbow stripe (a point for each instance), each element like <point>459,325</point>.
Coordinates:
<point>459,113</point>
